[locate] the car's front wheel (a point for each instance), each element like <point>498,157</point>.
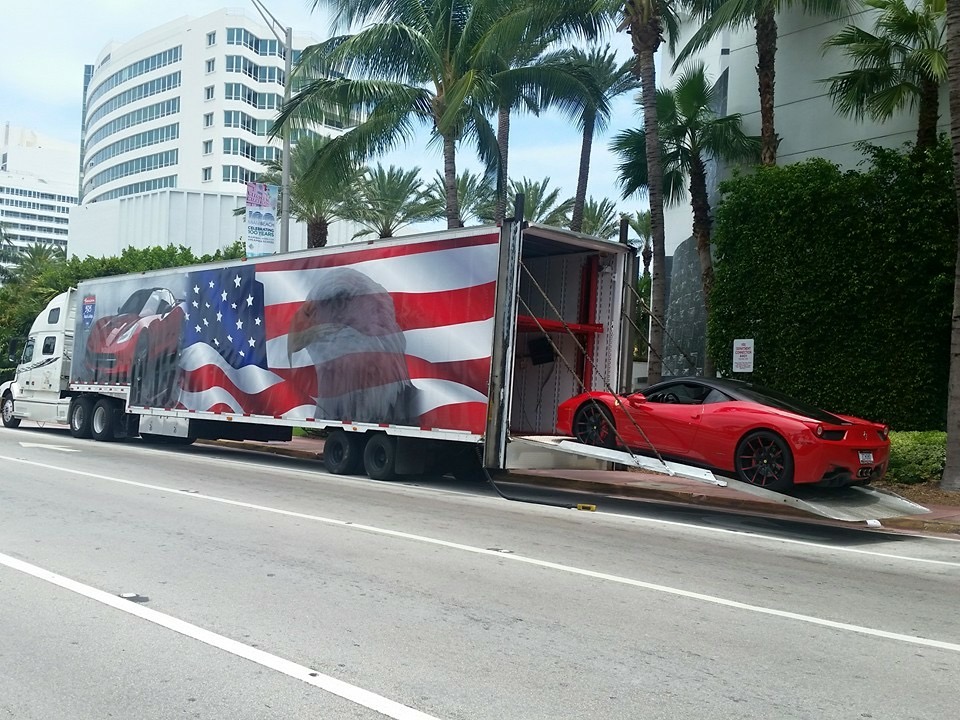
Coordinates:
<point>9,421</point>
<point>764,459</point>
<point>593,425</point>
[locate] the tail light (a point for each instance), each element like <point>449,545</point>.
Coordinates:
<point>819,430</point>
<point>884,432</point>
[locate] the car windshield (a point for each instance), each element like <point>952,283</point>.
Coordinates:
<point>135,302</point>
<point>774,399</point>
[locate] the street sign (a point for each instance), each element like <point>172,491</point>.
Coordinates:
<point>743,355</point>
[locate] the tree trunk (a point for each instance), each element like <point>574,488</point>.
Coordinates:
<point>589,122</point>
<point>503,180</point>
<point>701,231</point>
<point>951,471</point>
<point>317,231</point>
<point>929,115</point>
<point>766,28</point>
<point>645,37</point>
<point>450,180</point>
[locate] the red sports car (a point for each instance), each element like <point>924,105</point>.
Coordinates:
<point>762,436</point>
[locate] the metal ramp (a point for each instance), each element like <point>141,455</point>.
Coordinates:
<point>551,452</point>
<point>850,504</point>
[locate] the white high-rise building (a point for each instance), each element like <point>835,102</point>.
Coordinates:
<point>38,186</point>
<point>175,122</point>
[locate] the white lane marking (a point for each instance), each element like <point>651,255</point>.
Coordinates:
<point>46,446</point>
<point>677,592</point>
<point>332,685</point>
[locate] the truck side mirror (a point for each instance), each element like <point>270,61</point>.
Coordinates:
<point>12,350</point>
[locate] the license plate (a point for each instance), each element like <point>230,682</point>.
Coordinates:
<point>865,457</point>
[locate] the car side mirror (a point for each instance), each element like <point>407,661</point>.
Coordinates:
<point>637,399</point>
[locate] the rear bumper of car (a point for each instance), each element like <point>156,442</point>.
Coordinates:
<point>840,464</point>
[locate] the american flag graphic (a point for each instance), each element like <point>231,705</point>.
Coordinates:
<point>398,334</point>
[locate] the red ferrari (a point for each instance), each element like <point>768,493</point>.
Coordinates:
<point>762,436</point>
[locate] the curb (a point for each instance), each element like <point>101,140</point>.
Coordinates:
<point>688,499</point>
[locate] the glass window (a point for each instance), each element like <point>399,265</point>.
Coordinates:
<point>207,174</point>
<point>49,345</point>
<point>53,317</point>
<point>207,147</point>
<point>28,350</point>
<point>208,120</point>
<point>211,38</point>
<point>211,65</point>
<point>208,93</point>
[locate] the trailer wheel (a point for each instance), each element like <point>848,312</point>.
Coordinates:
<point>380,457</point>
<point>104,421</point>
<point>342,452</point>
<point>9,421</point>
<point>80,410</point>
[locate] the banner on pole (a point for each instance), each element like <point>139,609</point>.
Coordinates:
<point>261,219</point>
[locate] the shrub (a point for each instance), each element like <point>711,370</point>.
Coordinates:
<point>917,457</point>
<point>845,282</point>
<point>6,373</point>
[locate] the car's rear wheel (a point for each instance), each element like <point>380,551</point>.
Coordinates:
<point>9,421</point>
<point>593,425</point>
<point>763,459</point>
<point>342,452</point>
<point>80,410</point>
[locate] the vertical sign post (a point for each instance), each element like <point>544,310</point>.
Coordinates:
<point>261,219</point>
<point>743,355</point>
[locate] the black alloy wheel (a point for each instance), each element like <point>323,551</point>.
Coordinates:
<point>763,459</point>
<point>593,425</point>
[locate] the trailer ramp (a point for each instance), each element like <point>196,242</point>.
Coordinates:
<point>850,504</point>
<point>554,452</point>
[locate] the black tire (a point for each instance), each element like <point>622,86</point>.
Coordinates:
<point>380,457</point>
<point>81,409</point>
<point>764,459</point>
<point>342,452</point>
<point>104,421</point>
<point>593,425</point>
<point>6,408</point>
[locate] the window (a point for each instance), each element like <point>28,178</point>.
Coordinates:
<point>28,350</point>
<point>53,317</point>
<point>207,147</point>
<point>207,174</point>
<point>211,38</point>
<point>49,345</point>
<point>208,93</point>
<point>208,120</point>
<point>211,65</point>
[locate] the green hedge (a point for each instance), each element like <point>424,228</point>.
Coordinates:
<point>845,282</point>
<point>6,373</point>
<point>917,457</point>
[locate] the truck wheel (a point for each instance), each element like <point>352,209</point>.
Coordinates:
<point>380,457</point>
<point>342,452</point>
<point>103,423</point>
<point>80,411</point>
<point>9,421</point>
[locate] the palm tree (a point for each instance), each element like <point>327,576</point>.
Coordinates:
<point>600,218</point>
<point>640,224</point>
<point>388,199</point>
<point>951,470</point>
<point>476,196</point>
<point>646,21</point>
<point>418,62</point>
<point>691,133</point>
<point>718,15</point>
<point>604,80</point>
<point>541,204</point>
<point>33,260</point>
<point>901,64</point>
<point>313,200</point>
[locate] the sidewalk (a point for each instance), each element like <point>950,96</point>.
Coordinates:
<point>648,486</point>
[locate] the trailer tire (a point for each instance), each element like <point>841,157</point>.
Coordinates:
<point>104,422</point>
<point>380,457</point>
<point>342,452</point>
<point>9,421</point>
<point>81,409</point>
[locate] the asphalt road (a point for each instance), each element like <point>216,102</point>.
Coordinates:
<point>266,588</point>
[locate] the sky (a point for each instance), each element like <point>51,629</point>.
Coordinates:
<point>47,42</point>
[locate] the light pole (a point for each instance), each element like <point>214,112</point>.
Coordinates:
<point>287,42</point>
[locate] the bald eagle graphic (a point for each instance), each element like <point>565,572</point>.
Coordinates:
<point>348,326</point>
